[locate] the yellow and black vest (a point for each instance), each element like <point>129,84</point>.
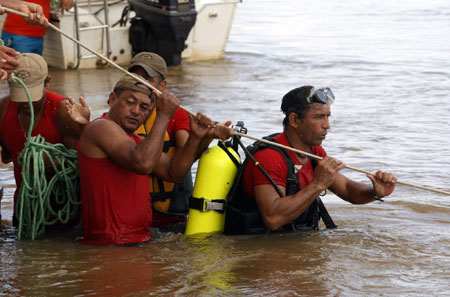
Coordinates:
<point>167,197</point>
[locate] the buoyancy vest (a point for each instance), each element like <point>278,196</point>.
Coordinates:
<point>167,197</point>
<point>242,212</point>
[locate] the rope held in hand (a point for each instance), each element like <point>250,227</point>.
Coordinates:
<point>191,113</point>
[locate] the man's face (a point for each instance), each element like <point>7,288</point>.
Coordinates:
<point>24,107</point>
<point>130,109</point>
<point>315,124</point>
<point>154,81</point>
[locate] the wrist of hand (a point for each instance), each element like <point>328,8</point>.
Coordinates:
<point>318,186</point>
<point>375,196</point>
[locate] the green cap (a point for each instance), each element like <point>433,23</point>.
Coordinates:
<point>129,83</point>
<point>152,63</point>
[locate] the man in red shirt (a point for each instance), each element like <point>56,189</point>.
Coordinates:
<point>25,37</point>
<point>169,199</point>
<point>34,11</point>
<point>114,163</point>
<point>298,180</point>
<point>52,120</point>
<point>8,56</point>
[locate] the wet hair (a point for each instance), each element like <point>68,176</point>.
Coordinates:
<point>295,102</point>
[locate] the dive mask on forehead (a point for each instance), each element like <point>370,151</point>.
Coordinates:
<point>322,95</point>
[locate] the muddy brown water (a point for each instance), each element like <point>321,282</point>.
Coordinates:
<point>388,64</point>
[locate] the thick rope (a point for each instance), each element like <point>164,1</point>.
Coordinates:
<point>43,202</point>
<point>427,188</point>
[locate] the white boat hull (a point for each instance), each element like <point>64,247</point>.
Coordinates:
<point>206,41</point>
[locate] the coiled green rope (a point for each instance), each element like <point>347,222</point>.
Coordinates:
<point>43,202</point>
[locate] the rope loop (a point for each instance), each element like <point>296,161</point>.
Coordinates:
<point>44,202</point>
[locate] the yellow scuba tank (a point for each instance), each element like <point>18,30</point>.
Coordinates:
<point>215,175</point>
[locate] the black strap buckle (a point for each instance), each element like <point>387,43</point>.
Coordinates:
<point>203,204</point>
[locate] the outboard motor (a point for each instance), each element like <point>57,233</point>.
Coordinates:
<point>162,27</point>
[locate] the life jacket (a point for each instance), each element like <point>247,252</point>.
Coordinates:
<point>242,212</point>
<point>167,197</point>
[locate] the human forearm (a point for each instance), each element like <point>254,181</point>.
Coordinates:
<point>182,161</point>
<point>277,211</point>
<point>219,131</point>
<point>146,154</point>
<point>34,12</point>
<point>13,4</point>
<point>355,192</point>
<point>204,144</point>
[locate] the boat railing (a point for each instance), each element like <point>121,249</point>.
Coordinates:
<point>89,6</point>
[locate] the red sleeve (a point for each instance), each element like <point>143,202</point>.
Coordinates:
<point>318,151</point>
<point>179,121</point>
<point>275,165</point>
<point>15,24</point>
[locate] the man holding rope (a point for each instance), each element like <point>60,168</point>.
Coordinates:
<point>51,118</point>
<point>169,199</point>
<point>33,10</point>
<point>115,164</point>
<point>8,56</point>
<point>286,195</point>
<point>22,34</point>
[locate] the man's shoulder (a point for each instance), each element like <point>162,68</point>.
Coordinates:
<point>318,151</point>
<point>54,97</point>
<point>180,114</point>
<point>268,154</point>
<point>103,127</point>
<point>101,123</point>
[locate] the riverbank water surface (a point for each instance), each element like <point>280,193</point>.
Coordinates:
<point>388,64</point>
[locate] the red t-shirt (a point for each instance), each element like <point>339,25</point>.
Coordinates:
<point>179,121</point>
<point>275,165</point>
<point>14,136</point>
<point>15,24</point>
<point>115,202</point>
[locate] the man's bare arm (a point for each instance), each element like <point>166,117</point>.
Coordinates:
<point>383,184</point>
<point>34,11</point>
<point>68,128</point>
<point>277,211</point>
<point>176,168</point>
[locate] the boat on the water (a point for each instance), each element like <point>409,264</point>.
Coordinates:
<point>175,29</point>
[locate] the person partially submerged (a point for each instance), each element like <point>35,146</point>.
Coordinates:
<point>289,199</point>
<point>114,163</point>
<point>51,119</point>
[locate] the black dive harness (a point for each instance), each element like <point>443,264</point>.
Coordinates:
<point>243,216</point>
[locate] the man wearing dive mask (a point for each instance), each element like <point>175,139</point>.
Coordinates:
<point>286,196</point>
